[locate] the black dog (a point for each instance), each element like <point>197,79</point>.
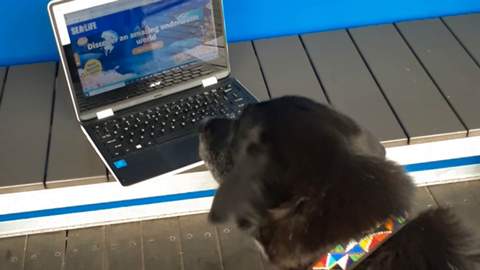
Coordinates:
<point>300,178</point>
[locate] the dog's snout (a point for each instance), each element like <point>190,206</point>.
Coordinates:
<point>203,125</point>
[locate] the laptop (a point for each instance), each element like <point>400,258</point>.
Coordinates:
<point>142,74</point>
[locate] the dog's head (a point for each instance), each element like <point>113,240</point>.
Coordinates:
<point>286,167</point>
<point>267,144</point>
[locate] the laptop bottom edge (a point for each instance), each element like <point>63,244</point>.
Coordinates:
<point>133,175</point>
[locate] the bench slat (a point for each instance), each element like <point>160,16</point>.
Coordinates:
<point>238,251</point>
<point>161,244</point>
<point>12,251</point>
<point>421,108</point>
<point>25,117</point>
<point>246,69</point>
<point>350,86</point>
<point>465,28</point>
<point>450,66</point>
<point>45,251</point>
<point>124,246</point>
<point>70,156</point>
<point>199,243</point>
<point>85,249</point>
<point>287,69</point>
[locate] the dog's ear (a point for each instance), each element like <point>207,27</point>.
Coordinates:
<point>240,193</point>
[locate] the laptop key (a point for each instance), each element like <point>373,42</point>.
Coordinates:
<point>111,142</point>
<point>105,136</point>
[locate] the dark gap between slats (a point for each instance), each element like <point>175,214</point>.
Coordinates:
<point>314,70</point>
<point>261,69</point>
<point>180,244</point>
<point>433,197</point>
<point>431,77</point>
<point>52,110</point>
<point>142,246</point>
<point>65,250</point>
<point>25,247</point>
<point>402,126</point>
<point>459,41</point>
<point>105,262</point>
<point>25,251</point>
<point>219,249</point>
<point>3,82</point>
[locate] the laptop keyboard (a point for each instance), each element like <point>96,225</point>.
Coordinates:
<point>136,131</point>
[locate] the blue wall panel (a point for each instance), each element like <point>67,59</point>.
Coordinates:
<point>25,34</point>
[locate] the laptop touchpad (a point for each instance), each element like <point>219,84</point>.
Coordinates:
<point>178,152</point>
<point>161,159</point>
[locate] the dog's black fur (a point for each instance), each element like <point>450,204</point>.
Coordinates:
<point>300,178</point>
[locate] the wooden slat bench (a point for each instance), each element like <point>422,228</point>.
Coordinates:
<point>409,83</point>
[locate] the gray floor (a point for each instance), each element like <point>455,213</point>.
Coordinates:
<point>187,242</point>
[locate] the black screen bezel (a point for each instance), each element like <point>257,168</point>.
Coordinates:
<point>89,103</point>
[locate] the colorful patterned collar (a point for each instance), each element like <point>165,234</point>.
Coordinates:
<point>347,257</point>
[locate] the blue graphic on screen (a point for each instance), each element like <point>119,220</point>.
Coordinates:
<point>113,50</point>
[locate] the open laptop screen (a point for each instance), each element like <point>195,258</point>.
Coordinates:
<point>124,42</point>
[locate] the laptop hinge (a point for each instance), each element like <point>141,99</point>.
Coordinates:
<point>209,81</point>
<point>105,113</point>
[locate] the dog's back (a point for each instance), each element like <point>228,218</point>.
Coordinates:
<point>302,178</point>
<point>433,240</point>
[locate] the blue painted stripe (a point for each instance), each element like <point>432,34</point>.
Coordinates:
<point>440,164</point>
<point>107,205</point>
